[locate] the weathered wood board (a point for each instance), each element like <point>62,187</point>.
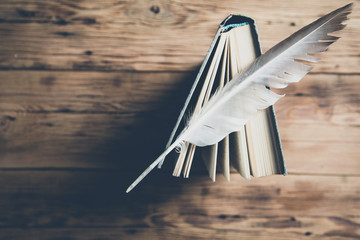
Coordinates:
<point>89,205</point>
<point>150,35</point>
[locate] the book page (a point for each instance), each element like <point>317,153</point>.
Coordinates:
<point>204,96</point>
<point>260,143</point>
<point>223,146</point>
<point>239,46</point>
<point>254,150</point>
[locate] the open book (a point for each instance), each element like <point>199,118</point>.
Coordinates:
<point>255,150</point>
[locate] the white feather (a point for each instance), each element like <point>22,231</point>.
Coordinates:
<point>229,109</point>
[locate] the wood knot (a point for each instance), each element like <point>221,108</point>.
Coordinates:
<point>25,13</point>
<point>155,14</point>
<point>5,122</point>
<point>155,9</point>
<point>48,81</point>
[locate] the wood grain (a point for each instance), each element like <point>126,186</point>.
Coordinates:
<point>74,119</point>
<point>93,205</point>
<point>150,35</point>
<point>90,90</point>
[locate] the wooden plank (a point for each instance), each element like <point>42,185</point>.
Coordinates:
<point>82,140</point>
<point>101,120</point>
<point>317,96</point>
<point>333,98</point>
<point>93,205</point>
<point>73,119</point>
<point>114,234</point>
<point>161,36</point>
<point>313,157</point>
<point>91,92</point>
<point>103,141</point>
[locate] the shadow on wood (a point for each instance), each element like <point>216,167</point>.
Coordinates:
<point>146,137</point>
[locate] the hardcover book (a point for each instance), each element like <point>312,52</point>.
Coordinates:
<point>256,149</point>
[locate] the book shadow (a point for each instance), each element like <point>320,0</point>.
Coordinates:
<point>128,155</point>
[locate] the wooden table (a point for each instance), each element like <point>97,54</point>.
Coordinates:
<point>89,91</point>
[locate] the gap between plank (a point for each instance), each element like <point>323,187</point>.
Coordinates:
<point>64,169</point>
<point>148,71</point>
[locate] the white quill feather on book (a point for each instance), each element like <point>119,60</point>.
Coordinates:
<point>231,107</point>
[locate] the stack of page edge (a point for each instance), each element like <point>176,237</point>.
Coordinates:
<point>256,149</point>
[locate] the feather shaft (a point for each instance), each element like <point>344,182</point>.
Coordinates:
<point>153,165</point>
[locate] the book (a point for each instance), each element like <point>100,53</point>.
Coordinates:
<point>256,149</point>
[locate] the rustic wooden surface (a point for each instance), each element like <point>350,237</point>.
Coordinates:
<point>89,91</point>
